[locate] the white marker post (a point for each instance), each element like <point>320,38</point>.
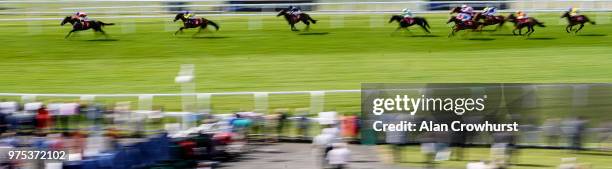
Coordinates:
<point>186,78</point>
<point>317,101</point>
<point>261,102</point>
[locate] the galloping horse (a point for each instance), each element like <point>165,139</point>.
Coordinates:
<point>461,25</point>
<point>530,23</point>
<point>575,20</point>
<point>202,23</point>
<point>78,25</point>
<point>293,19</point>
<point>404,23</point>
<point>490,20</point>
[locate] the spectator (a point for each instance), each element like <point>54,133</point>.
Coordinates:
<point>552,131</point>
<point>43,119</point>
<point>339,156</point>
<point>322,145</point>
<point>574,129</point>
<point>282,118</point>
<point>303,125</point>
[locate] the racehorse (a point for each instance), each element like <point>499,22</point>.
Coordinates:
<point>202,23</point>
<point>404,23</point>
<point>575,20</point>
<point>530,23</point>
<point>78,25</point>
<point>293,19</point>
<point>490,20</point>
<point>461,25</point>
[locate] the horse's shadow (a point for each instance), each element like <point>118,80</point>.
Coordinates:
<point>541,38</point>
<point>499,34</point>
<point>210,37</point>
<point>103,40</point>
<point>313,33</point>
<point>481,39</point>
<point>424,36</point>
<point>591,35</point>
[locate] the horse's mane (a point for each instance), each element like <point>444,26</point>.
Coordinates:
<point>455,9</point>
<point>566,14</point>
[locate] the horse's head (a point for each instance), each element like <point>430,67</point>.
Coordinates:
<point>178,16</point>
<point>511,17</point>
<point>478,15</point>
<point>455,10</point>
<point>395,18</point>
<point>66,20</point>
<point>281,12</point>
<point>566,14</point>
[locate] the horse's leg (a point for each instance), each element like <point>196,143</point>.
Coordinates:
<point>307,25</point>
<point>69,33</point>
<point>531,30</point>
<point>101,31</point>
<point>452,32</point>
<point>568,28</point>
<point>579,28</point>
<point>180,30</point>
<point>424,28</point>
<point>293,27</point>
<point>202,27</point>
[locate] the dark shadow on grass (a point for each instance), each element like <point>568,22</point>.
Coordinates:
<point>481,39</point>
<point>532,165</point>
<point>363,161</point>
<point>209,37</point>
<point>415,162</point>
<point>314,33</point>
<point>508,34</point>
<point>103,40</point>
<point>595,153</point>
<point>542,38</point>
<point>591,35</point>
<point>489,30</point>
<point>425,36</point>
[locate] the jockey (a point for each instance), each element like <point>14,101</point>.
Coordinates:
<point>407,14</point>
<point>464,17</point>
<point>81,16</point>
<point>294,10</point>
<point>189,16</point>
<point>573,11</point>
<point>467,9</point>
<point>489,11</point>
<point>521,15</point>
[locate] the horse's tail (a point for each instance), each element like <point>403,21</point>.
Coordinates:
<point>104,24</point>
<point>502,21</point>
<point>214,24</point>
<point>588,20</point>
<point>540,24</point>
<point>310,19</point>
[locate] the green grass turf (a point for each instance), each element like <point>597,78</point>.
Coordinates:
<point>142,56</point>
<point>525,159</point>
